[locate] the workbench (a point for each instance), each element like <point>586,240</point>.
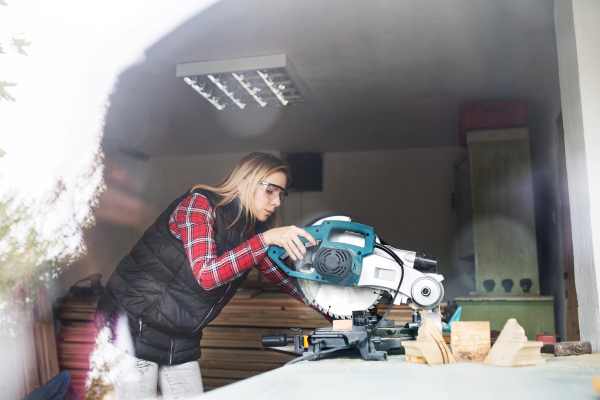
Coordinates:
<point>353,378</point>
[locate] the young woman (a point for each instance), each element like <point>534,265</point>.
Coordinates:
<point>187,267</point>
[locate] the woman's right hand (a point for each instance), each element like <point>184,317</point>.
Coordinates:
<point>287,237</point>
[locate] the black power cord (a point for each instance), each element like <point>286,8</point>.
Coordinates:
<point>356,343</point>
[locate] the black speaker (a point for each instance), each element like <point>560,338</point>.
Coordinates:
<point>307,171</point>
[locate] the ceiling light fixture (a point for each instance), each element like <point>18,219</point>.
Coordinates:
<point>271,84</point>
<point>223,87</point>
<point>247,82</point>
<point>207,95</point>
<point>249,89</point>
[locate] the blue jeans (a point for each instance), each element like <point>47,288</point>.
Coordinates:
<point>138,379</point>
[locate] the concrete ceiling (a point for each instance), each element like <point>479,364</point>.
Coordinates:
<point>380,74</point>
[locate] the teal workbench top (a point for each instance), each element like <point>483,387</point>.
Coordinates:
<point>563,378</point>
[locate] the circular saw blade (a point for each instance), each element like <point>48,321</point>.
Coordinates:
<point>339,301</point>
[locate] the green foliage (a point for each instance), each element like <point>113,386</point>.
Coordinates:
<point>3,92</point>
<point>97,386</point>
<point>17,44</point>
<point>29,255</point>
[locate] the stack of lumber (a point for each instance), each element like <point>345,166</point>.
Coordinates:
<point>76,338</point>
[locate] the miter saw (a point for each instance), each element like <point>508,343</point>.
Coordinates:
<point>345,275</point>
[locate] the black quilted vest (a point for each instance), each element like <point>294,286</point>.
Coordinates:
<point>154,288</point>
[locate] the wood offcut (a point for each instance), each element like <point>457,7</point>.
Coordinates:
<point>470,340</point>
<point>429,348</point>
<point>512,348</point>
<point>342,325</point>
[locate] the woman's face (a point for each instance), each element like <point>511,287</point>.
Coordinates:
<point>263,206</point>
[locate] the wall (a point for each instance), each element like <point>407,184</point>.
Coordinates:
<point>578,35</point>
<point>403,194</point>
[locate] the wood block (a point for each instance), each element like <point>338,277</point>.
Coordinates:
<point>470,340</point>
<point>596,383</point>
<point>342,325</point>
<point>512,348</point>
<point>429,348</point>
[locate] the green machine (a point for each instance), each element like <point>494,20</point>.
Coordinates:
<point>494,202</point>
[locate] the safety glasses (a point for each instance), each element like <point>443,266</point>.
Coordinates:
<point>272,191</point>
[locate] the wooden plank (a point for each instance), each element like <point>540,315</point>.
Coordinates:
<point>28,354</point>
<point>228,373</point>
<point>219,330</point>
<point>266,321</point>
<point>77,308</point>
<point>512,348</point>
<point>470,340</point>
<point>246,294</point>
<point>69,362</point>
<point>429,347</point>
<point>277,323</point>
<point>80,324</point>
<point>255,366</point>
<point>261,314</point>
<point>83,332</point>
<point>46,350</point>
<point>78,373</point>
<point>567,238</point>
<point>68,348</point>
<point>217,382</point>
<point>84,316</point>
<point>244,355</point>
<point>78,382</point>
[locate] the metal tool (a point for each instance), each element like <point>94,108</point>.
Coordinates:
<point>346,273</point>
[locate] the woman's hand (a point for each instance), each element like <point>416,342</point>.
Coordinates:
<point>287,237</point>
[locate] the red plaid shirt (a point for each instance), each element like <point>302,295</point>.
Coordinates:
<point>192,222</point>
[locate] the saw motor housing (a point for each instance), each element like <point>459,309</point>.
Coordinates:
<point>346,271</point>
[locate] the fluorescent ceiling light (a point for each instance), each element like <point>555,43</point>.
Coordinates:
<point>244,82</point>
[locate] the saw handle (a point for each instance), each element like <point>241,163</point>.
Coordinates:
<point>276,340</point>
<point>327,227</point>
<point>323,232</point>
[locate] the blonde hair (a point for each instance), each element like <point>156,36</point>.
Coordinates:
<point>252,168</point>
